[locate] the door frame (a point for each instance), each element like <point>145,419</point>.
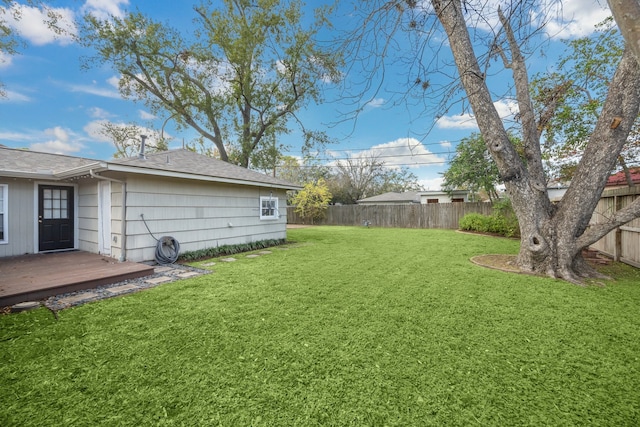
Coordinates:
<point>36,207</point>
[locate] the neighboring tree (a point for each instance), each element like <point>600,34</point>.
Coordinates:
<point>9,42</point>
<point>126,138</point>
<point>365,176</point>
<point>302,171</point>
<point>239,82</point>
<point>552,236</point>
<point>472,169</point>
<point>354,178</point>
<point>579,87</point>
<point>397,180</point>
<point>312,201</point>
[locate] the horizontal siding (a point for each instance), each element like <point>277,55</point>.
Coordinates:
<point>198,215</point>
<point>21,217</point>
<point>87,215</point>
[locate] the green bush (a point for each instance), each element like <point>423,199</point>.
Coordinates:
<point>229,249</point>
<point>503,221</point>
<point>474,222</point>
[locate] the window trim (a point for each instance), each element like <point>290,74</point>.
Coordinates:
<point>276,214</point>
<point>4,210</point>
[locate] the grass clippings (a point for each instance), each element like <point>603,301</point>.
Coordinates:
<point>348,327</point>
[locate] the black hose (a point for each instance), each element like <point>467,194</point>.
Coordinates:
<point>167,250</point>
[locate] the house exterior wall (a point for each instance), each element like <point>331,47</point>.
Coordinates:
<point>87,215</point>
<point>21,217</point>
<point>198,214</point>
<point>22,211</point>
<point>442,197</point>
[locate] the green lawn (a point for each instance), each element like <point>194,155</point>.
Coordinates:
<point>343,326</point>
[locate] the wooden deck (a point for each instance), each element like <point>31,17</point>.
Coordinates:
<point>39,276</point>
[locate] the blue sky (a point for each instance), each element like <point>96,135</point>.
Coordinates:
<point>54,106</point>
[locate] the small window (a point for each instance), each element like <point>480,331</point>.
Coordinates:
<point>433,201</point>
<point>269,207</point>
<point>4,207</point>
<point>457,200</point>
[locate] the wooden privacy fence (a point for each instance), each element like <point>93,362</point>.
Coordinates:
<point>434,215</point>
<point>623,243</point>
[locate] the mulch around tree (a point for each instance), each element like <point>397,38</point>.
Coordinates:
<point>497,262</point>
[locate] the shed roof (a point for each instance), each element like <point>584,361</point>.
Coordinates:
<point>393,197</point>
<point>619,178</point>
<point>175,163</point>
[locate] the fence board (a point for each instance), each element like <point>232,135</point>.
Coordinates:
<point>434,215</point>
<point>623,243</point>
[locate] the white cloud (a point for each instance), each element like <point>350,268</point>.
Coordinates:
<point>574,18</point>
<point>56,140</point>
<point>12,96</point>
<point>376,102</point>
<point>446,144</point>
<point>506,110</point>
<point>564,18</point>
<point>56,147</point>
<point>144,115</point>
<point>15,136</point>
<point>99,113</point>
<point>61,142</point>
<point>431,184</point>
<point>104,9</point>
<point>34,24</point>
<point>407,152</point>
<point>95,90</point>
<point>114,81</point>
<point>461,121</point>
<point>93,129</point>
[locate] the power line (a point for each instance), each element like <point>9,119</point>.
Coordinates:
<point>388,165</point>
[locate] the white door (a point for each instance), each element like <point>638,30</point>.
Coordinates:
<point>104,217</point>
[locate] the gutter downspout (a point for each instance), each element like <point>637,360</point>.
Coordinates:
<point>123,213</point>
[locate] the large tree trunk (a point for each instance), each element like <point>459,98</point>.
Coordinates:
<point>552,236</point>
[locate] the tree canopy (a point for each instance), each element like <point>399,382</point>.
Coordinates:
<point>487,44</point>
<point>127,139</point>
<point>472,168</point>
<point>312,201</point>
<point>578,86</point>
<point>239,80</point>
<point>355,178</point>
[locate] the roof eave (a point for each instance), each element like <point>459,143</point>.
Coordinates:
<point>173,174</point>
<point>28,175</point>
<point>81,170</point>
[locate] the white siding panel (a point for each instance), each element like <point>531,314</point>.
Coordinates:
<point>87,215</point>
<point>21,217</point>
<point>199,215</point>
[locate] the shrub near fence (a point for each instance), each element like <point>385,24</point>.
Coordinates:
<point>434,215</point>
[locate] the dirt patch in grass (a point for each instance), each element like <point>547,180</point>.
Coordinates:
<point>498,262</point>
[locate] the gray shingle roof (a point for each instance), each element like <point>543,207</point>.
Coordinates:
<point>185,161</point>
<point>192,165</point>
<point>33,162</point>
